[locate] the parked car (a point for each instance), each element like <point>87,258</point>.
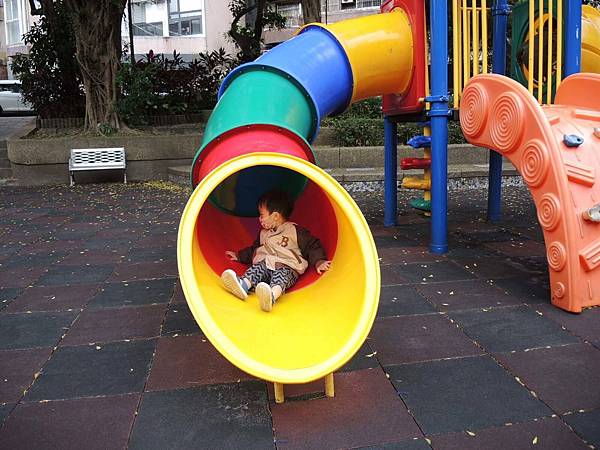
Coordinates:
<point>10,97</point>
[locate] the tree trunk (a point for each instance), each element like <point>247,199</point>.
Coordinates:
<point>311,11</point>
<point>97,27</point>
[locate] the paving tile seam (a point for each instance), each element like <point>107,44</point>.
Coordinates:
<point>569,331</point>
<point>150,366</point>
<point>41,370</point>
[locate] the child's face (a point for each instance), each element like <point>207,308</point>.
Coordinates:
<point>267,219</point>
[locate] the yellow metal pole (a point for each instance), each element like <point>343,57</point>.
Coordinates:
<point>531,43</point>
<point>329,386</point>
<point>460,50</point>
<point>466,45</point>
<point>540,78</point>
<point>475,38</point>
<point>484,36</point>
<point>279,395</point>
<point>550,59</point>
<point>559,37</point>
<point>455,53</point>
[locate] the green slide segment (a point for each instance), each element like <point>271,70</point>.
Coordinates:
<point>261,96</point>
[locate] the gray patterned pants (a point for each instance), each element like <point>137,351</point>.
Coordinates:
<point>284,277</point>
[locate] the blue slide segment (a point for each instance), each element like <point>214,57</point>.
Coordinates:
<point>316,61</point>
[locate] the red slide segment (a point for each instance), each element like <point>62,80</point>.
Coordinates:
<point>556,149</point>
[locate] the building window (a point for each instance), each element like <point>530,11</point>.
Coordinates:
<point>13,27</point>
<point>339,5</point>
<point>185,17</point>
<point>147,18</point>
<point>292,13</point>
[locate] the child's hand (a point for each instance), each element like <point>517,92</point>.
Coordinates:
<point>232,255</point>
<point>323,266</point>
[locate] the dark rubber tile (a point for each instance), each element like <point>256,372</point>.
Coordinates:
<point>409,444</point>
<point>93,370</point>
<point>463,394</point>
<point>190,361</point>
<point>5,410</point>
<point>108,325</point>
<point>466,294</point>
<point>365,411</point>
<point>490,268</point>
<point>17,371</point>
<point>586,425</point>
<point>528,289</point>
<point>7,295</point>
<point>585,325</point>
<point>432,272</point>
<point>61,275</point>
<point>402,300</point>
<point>227,416</point>
<point>91,423</point>
<point>20,278</point>
<point>565,378</point>
<point>144,271</point>
<point>390,274</point>
<point>22,261</point>
<point>54,298</point>
<point>365,358</point>
<point>524,247</point>
<point>108,243</point>
<point>548,433</point>
<point>407,339</point>
<point>178,295</point>
<point>134,293</point>
<point>506,329</point>
<point>406,255</point>
<point>20,331</point>
<point>159,254</point>
<point>94,257</point>
<point>179,321</point>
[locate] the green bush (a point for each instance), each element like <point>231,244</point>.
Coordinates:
<point>362,125</point>
<point>157,85</point>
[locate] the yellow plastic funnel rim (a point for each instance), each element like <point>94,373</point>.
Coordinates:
<point>368,253</point>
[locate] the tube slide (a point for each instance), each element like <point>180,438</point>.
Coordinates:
<point>257,139</point>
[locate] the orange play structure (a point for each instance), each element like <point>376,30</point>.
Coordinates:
<point>556,148</point>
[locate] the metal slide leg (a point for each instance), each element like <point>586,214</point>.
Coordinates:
<point>391,172</point>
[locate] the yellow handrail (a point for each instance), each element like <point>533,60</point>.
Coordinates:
<point>530,67</point>
<point>559,38</point>
<point>475,38</point>
<point>455,54</point>
<point>540,77</point>
<point>484,36</point>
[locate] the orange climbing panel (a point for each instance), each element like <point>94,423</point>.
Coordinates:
<point>556,148</point>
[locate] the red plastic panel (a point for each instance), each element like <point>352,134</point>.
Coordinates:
<point>411,102</point>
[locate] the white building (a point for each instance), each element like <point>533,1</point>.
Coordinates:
<point>331,11</point>
<point>185,26</point>
<point>17,20</point>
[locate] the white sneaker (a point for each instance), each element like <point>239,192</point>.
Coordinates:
<point>265,296</point>
<point>233,284</point>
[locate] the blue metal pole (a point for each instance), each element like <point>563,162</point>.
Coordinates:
<point>390,213</point>
<point>572,37</point>
<point>500,11</point>
<point>439,126</point>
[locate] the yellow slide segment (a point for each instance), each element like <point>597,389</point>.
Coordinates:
<point>313,330</point>
<point>380,51</point>
<point>590,39</point>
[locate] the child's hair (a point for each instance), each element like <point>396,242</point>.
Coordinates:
<point>277,201</point>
